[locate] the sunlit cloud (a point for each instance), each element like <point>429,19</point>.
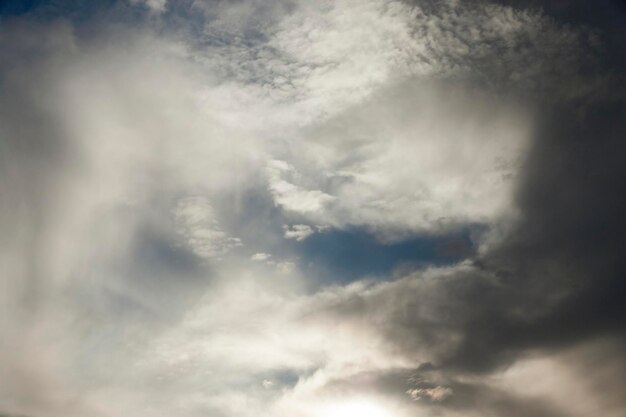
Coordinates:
<point>310,209</point>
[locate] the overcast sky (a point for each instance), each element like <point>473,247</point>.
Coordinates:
<point>312,208</point>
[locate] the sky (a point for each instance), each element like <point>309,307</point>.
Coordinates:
<point>312,208</point>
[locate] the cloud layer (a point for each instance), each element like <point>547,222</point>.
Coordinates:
<point>167,166</point>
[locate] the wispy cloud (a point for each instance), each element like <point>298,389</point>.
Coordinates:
<point>196,223</point>
<point>299,232</point>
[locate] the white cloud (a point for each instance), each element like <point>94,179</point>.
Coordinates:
<point>243,328</point>
<point>109,145</point>
<point>196,222</point>
<point>157,6</point>
<point>299,232</point>
<point>311,60</point>
<point>292,197</point>
<point>260,256</point>
<point>418,157</point>
<point>385,144</point>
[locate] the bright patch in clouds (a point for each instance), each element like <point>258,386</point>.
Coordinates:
<point>355,407</point>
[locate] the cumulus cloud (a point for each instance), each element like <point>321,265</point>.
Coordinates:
<point>416,157</point>
<point>293,197</point>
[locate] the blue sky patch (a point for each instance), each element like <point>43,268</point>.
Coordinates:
<point>346,255</point>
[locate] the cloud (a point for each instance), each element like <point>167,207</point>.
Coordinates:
<point>421,86</point>
<point>195,221</point>
<point>291,196</point>
<point>157,6</point>
<point>310,61</point>
<point>438,393</point>
<point>299,232</point>
<point>93,149</point>
<point>135,156</point>
<point>416,157</point>
<point>260,256</point>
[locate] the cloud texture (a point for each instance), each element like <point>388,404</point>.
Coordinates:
<point>167,166</point>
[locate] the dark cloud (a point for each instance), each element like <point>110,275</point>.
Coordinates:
<point>555,282</point>
<point>557,279</point>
